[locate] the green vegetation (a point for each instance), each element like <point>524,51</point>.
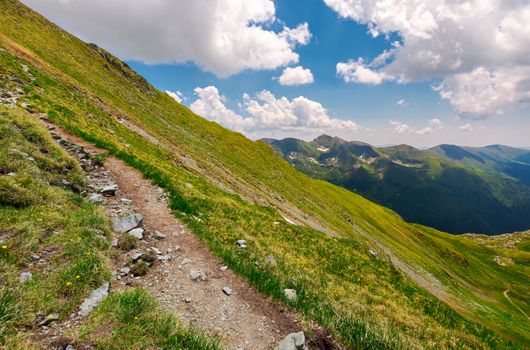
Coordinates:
<point>451,188</point>
<point>67,255</point>
<point>226,188</point>
<point>138,323</point>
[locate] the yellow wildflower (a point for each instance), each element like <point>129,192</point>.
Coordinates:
<point>4,246</point>
<point>77,277</point>
<point>68,284</point>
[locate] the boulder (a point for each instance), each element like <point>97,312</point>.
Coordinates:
<point>94,300</point>
<point>294,341</point>
<point>127,223</point>
<point>109,190</point>
<point>137,233</point>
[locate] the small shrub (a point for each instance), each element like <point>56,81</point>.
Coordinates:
<point>127,242</point>
<point>140,268</point>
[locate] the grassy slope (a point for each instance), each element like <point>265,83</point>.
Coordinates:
<point>358,296</point>
<point>75,250</point>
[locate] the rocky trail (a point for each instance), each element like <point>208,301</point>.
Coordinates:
<point>174,265</point>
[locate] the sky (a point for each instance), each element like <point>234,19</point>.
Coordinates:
<point>380,71</point>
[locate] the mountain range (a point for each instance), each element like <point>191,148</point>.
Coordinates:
<point>452,188</point>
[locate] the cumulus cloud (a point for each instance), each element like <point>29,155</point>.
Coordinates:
<point>358,72</point>
<point>402,128</point>
<point>177,95</point>
<point>267,115</point>
<point>296,76</point>
<point>465,43</point>
<point>223,36</point>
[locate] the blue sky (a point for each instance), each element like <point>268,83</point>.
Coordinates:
<point>479,101</point>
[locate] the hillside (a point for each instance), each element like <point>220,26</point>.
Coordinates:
<point>368,277</point>
<point>451,188</point>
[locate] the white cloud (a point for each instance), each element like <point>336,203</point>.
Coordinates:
<point>296,76</point>
<point>457,41</point>
<point>271,116</point>
<point>402,128</point>
<point>177,95</point>
<point>223,36</point>
<point>402,103</point>
<point>466,127</point>
<point>357,72</point>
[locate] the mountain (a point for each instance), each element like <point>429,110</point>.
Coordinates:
<point>362,274</point>
<point>454,189</point>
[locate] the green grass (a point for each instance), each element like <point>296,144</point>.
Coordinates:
<point>137,322</point>
<point>40,216</point>
<point>226,188</point>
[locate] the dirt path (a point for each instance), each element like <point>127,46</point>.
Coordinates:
<point>505,293</point>
<point>243,320</point>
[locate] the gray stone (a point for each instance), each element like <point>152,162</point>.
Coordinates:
<point>127,223</point>
<point>187,300</point>
<point>95,198</point>
<point>70,347</point>
<point>94,299</point>
<point>164,257</point>
<point>373,252</point>
<point>197,275</point>
<point>25,277</point>
<point>155,250</point>
<point>11,174</point>
<point>241,243</point>
<point>49,319</point>
<point>137,233</point>
<point>227,290</point>
<point>223,268</point>
<point>125,201</point>
<point>185,261</point>
<point>294,341</point>
<point>290,294</point>
<point>109,190</point>
<point>124,271</point>
<point>136,256</point>
<point>159,235</point>
<point>114,242</point>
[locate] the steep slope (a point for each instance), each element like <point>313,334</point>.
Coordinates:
<point>340,254</point>
<point>451,188</point>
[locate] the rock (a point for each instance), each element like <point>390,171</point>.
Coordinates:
<point>95,198</point>
<point>185,261</point>
<point>127,223</point>
<point>125,201</point>
<point>223,268</point>
<point>114,242</point>
<point>49,319</point>
<point>159,235</point>
<point>94,300</point>
<point>294,341</point>
<point>109,190</point>
<point>227,290</point>
<point>373,252</point>
<point>11,174</point>
<point>270,260</point>
<point>164,257</point>
<point>290,294</point>
<point>136,256</point>
<point>70,347</point>
<point>276,223</point>
<point>155,250</point>
<point>25,277</point>
<point>124,271</point>
<point>187,300</point>
<point>241,243</point>
<point>137,233</point>
<point>197,275</point>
